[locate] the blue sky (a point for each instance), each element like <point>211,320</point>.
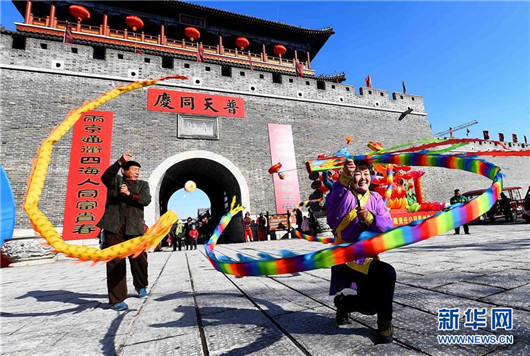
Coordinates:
<point>186,204</point>
<point>469,60</point>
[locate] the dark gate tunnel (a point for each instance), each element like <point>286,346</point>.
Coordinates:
<point>217,182</point>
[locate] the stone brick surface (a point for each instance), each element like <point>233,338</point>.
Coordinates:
<point>62,307</point>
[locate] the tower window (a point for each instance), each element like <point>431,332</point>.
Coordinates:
<point>277,78</point>
<point>99,53</point>
<point>321,85</point>
<point>19,43</point>
<point>226,71</point>
<point>167,62</point>
<point>44,46</point>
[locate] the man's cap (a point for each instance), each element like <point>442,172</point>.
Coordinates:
<point>129,164</point>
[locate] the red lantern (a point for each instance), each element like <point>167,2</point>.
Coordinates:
<point>242,43</point>
<point>134,22</point>
<point>192,33</point>
<point>279,50</point>
<point>79,12</point>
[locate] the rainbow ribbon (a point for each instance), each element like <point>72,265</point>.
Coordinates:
<point>396,237</point>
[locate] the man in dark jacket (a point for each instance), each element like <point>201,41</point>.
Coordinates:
<point>123,220</point>
<point>459,198</point>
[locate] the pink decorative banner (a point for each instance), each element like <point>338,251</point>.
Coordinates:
<point>286,191</point>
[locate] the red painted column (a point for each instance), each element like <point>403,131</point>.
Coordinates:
<point>28,11</point>
<point>52,15</point>
<point>162,34</point>
<point>105,24</point>
<point>295,56</point>
<point>221,48</point>
<point>308,61</point>
<point>263,52</point>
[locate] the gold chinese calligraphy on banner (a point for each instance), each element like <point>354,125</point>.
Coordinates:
<point>85,193</point>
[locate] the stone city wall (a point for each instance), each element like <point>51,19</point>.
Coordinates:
<point>42,83</point>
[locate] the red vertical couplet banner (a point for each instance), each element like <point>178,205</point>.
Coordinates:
<point>286,191</point>
<point>85,193</point>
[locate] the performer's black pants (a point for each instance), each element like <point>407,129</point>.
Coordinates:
<point>117,269</point>
<point>466,229</point>
<point>179,242</point>
<point>375,290</point>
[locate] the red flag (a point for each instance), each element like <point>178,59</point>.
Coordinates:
<point>467,132</point>
<point>514,138</point>
<point>486,134</point>
<point>138,51</point>
<point>368,81</point>
<point>200,53</point>
<point>299,69</point>
<point>68,34</point>
<point>404,87</point>
<point>501,137</point>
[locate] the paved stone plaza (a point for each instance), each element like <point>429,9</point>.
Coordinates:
<point>61,308</point>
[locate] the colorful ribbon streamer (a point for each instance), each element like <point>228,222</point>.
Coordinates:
<point>371,246</point>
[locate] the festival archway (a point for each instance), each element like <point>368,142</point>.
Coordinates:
<point>217,176</point>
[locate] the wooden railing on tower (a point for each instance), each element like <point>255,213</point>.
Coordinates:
<point>145,41</point>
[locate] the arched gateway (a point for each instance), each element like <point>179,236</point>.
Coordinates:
<point>218,177</point>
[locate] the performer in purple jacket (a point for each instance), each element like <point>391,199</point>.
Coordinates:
<point>352,209</point>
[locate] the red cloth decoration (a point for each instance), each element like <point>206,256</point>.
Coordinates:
<point>68,38</point>
<point>368,81</point>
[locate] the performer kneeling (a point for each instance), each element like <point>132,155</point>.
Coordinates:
<point>352,209</point>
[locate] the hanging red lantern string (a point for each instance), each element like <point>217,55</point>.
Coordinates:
<point>134,22</point>
<point>192,33</point>
<point>279,50</point>
<point>79,12</point>
<point>242,43</point>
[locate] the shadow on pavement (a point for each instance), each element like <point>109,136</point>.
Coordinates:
<point>81,302</point>
<point>306,322</point>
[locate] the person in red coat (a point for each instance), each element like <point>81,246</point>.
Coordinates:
<point>194,235</point>
<point>262,227</point>
<point>247,227</point>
